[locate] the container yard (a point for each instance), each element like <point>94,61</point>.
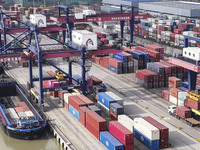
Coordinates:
<point>81,68</point>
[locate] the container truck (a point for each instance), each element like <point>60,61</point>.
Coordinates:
<point>183,113</point>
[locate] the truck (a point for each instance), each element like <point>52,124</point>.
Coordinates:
<point>183,113</point>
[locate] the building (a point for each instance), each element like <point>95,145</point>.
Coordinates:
<point>180,8</point>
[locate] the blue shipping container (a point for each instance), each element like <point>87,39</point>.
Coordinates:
<point>114,69</point>
<point>185,84</point>
<point>74,112</point>
<point>153,145</point>
<point>146,55</point>
<point>110,142</point>
<point>182,88</point>
<point>105,99</point>
<point>3,106</point>
<point>137,55</point>
<point>120,57</point>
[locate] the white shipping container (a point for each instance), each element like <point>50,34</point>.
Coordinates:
<point>146,129</point>
<point>115,97</point>
<point>126,122</point>
<point>66,97</point>
<point>79,16</point>
<point>173,100</point>
<point>29,114</point>
<point>180,103</point>
<point>22,114</point>
<point>103,108</point>
<point>85,38</point>
<point>89,12</point>
<point>38,19</point>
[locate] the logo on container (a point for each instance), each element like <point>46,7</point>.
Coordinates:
<point>107,144</point>
<point>89,42</point>
<point>102,100</point>
<point>40,21</point>
<point>73,112</point>
<point>142,138</point>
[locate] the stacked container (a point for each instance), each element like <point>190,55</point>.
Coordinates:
<point>122,134</point>
<point>147,133</point>
<point>126,122</point>
<point>164,131</point>
<point>95,123</point>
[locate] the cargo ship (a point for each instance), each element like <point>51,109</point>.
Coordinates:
<point>18,118</point>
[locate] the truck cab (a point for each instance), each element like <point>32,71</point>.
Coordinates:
<point>172,109</point>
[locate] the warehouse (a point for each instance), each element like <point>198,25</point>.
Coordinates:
<point>186,9</point>
<point>134,3</point>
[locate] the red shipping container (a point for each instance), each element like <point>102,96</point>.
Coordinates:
<point>173,67</point>
<point>129,56</point>
<point>174,82</point>
<point>121,133</point>
<point>92,129</point>
<point>155,48</point>
<point>82,115</point>
<point>54,93</point>
<point>164,143</point>
<point>61,94</point>
<point>95,80</point>
<point>154,75</point>
<point>129,147</point>
<point>97,121</point>
<point>142,74</point>
<point>183,112</point>
<point>192,103</point>
<point>164,131</point>
<point>165,94</point>
<point>113,116</point>
<point>177,31</point>
<point>115,63</point>
<point>86,100</point>
<point>18,109</point>
<point>153,54</point>
<point>140,48</point>
<point>51,73</point>
<point>75,102</point>
<point>174,92</point>
<point>21,104</point>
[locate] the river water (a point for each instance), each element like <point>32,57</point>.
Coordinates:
<point>46,142</point>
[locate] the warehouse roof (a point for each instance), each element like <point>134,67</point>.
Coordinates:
<point>182,8</point>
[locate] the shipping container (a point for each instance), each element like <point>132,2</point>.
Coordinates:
<point>173,100</point>
<point>120,57</point>
<point>118,99</point>
<point>146,129</point>
<point>192,103</point>
<point>165,94</point>
<point>144,75</point>
<point>61,94</point>
<point>115,63</point>
<point>82,115</point>
<point>95,80</point>
<point>126,122</point>
<point>74,112</point>
<point>164,131</point>
<point>153,145</point>
<point>167,68</point>
<point>86,100</point>
<point>75,102</point>
<point>155,68</point>
<point>103,108</point>
<point>147,85</point>
<point>97,121</point>
<point>93,129</point>
<point>110,142</point>
<point>182,95</point>
<point>95,109</point>
<point>115,70</point>
<point>120,132</point>
<point>174,82</point>
<point>116,108</point>
<point>183,112</point>
<point>105,99</point>
<point>174,92</point>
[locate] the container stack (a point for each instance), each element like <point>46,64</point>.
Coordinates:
<point>164,131</point>
<point>110,104</point>
<point>122,134</point>
<point>146,133</point>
